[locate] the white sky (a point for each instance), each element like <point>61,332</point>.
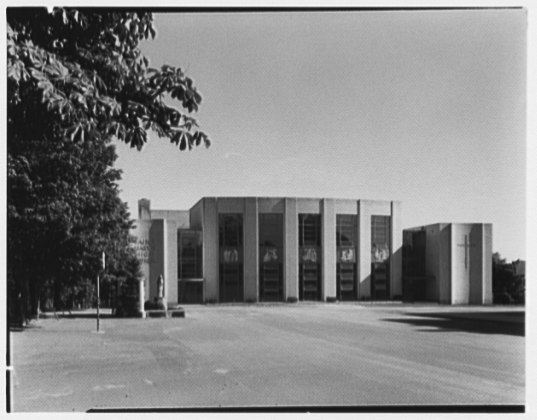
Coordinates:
<point>425,107</point>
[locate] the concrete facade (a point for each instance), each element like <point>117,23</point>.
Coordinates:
<point>458,262</point>
<point>457,257</point>
<point>290,279</point>
<point>251,254</point>
<point>156,234</point>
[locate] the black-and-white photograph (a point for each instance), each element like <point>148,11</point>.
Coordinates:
<point>249,209</point>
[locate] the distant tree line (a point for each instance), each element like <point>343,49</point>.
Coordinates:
<point>76,81</point>
<point>508,280</point>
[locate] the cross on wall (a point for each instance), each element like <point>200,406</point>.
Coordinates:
<point>467,245</point>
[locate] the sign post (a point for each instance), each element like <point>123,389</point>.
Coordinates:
<point>98,302</point>
<point>98,292</point>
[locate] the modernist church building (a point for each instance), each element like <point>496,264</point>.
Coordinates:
<point>257,249</point>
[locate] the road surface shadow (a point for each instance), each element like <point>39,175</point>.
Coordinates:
<point>506,323</point>
<point>388,408</point>
<point>19,328</point>
<point>16,328</point>
<point>75,315</point>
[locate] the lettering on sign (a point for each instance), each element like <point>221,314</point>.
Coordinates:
<point>142,248</point>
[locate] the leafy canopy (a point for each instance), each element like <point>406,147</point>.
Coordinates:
<point>91,76</point>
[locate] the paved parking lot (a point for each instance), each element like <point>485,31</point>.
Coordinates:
<point>273,355</point>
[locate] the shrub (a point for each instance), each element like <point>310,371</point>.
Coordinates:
<point>155,305</point>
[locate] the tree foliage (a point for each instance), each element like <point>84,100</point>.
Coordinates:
<point>508,284</point>
<point>76,80</point>
<point>86,68</point>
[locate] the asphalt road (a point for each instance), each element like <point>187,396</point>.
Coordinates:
<point>273,355</point>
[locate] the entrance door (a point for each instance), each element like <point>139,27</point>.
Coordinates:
<point>346,280</point>
<point>231,289</point>
<point>271,285</point>
<point>310,279</point>
<point>380,280</point>
<point>189,266</point>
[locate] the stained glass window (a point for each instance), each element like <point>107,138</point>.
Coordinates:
<point>345,230</point>
<point>309,226</point>
<point>189,254</point>
<point>230,230</point>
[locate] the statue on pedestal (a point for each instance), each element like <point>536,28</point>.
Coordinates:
<point>160,299</point>
<point>160,287</point>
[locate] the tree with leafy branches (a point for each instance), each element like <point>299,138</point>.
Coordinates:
<point>77,81</point>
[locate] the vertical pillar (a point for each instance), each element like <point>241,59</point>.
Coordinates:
<point>211,255</point>
<point>364,250</point>
<point>476,256</point>
<point>396,251</point>
<point>165,262</point>
<point>290,249</point>
<point>156,255</point>
<point>141,297</point>
<point>144,209</point>
<point>487,264</point>
<point>328,240</point>
<point>142,247</point>
<point>170,260</point>
<point>251,250</point>
<point>358,252</point>
<point>448,287</point>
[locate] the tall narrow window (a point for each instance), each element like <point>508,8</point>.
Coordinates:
<point>189,266</point>
<point>231,257</point>
<point>380,257</point>
<point>270,256</point>
<point>309,231</point>
<point>230,227</point>
<point>189,254</point>
<point>346,243</point>
<point>309,226</point>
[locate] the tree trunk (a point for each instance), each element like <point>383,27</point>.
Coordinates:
<point>34,293</point>
<point>23,297</point>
